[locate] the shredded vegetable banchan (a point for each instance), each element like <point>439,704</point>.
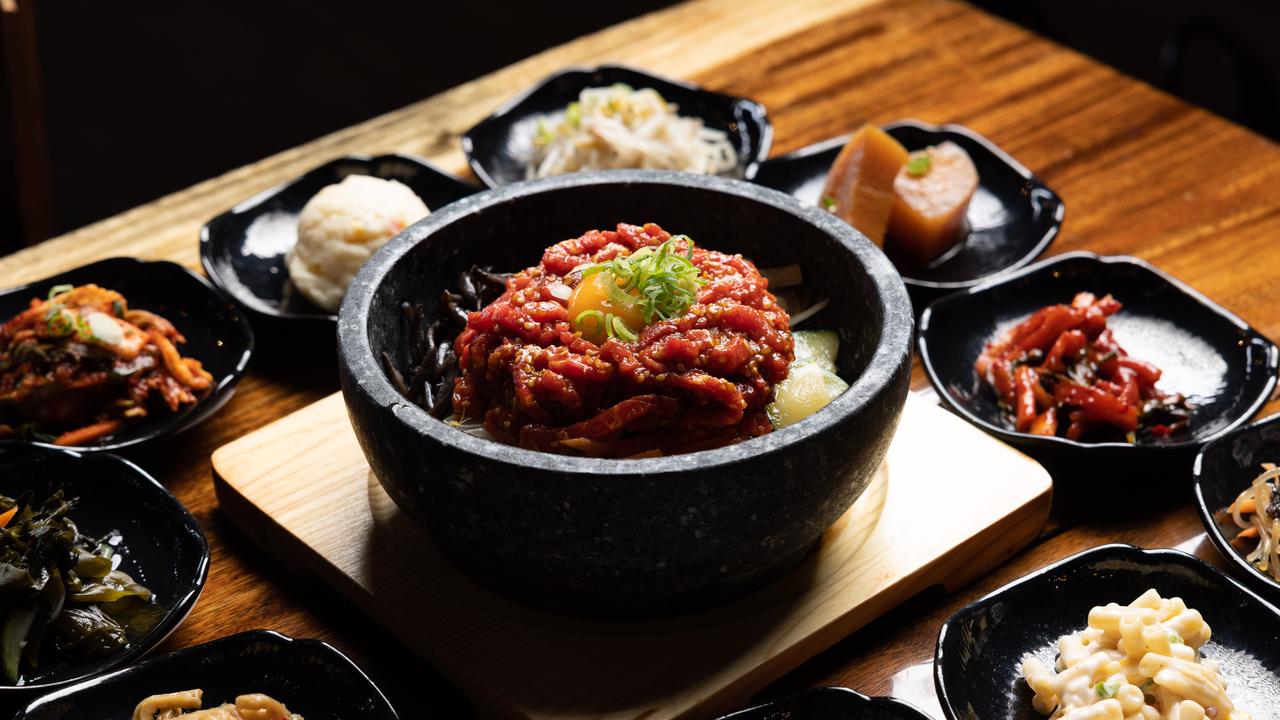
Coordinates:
<point>1140,661</point>
<point>620,127</point>
<point>1257,513</point>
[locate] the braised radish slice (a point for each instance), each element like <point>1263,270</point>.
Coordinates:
<point>860,183</point>
<point>931,198</point>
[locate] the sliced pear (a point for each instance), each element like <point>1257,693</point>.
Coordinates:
<point>818,347</point>
<point>807,389</point>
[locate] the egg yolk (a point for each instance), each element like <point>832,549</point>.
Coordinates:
<point>593,294</point>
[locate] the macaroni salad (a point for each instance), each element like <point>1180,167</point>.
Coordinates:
<point>1139,661</point>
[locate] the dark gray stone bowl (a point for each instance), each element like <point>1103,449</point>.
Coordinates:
<point>638,536</point>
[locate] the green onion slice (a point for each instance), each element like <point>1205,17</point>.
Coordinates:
<point>619,329</point>
<point>919,166</point>
<point>1108,688</point>
<point>661,282</point>
<point>594,326</point>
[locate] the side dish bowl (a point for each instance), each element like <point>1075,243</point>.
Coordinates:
<point>217,334</point>
<point>163,548</point>
<point>633,536</point>
<point>1013,218</point>
<point>1225,468</point>
<point>830,702</point>
<point>1226,368</point>
<point>977,667</point>
<point>312,678</point>
<point>499,146</point>
<point>243,249</point>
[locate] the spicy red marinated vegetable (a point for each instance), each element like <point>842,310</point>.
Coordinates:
<point>1061,372</point>
<point>79,364</point>
<point>624,343</point>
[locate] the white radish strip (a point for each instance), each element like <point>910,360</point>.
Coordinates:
<point>808,312</point>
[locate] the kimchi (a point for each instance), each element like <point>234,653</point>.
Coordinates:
<point>76,366</point>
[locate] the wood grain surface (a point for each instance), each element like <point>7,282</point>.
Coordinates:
<point>281,483</point>
<point>1140,172</point>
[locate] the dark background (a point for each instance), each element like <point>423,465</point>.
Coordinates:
<point>140,99</point>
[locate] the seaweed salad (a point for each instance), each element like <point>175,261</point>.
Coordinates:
<point>62,594</point>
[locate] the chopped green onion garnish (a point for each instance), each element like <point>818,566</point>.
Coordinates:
<point>544,134</point>
<point>597,321</point>
<point>573,114</point>
<point>660,282</point>
<point>59,289</point>
<point>592,322</point>
<point>1175,639</point>
<point>919,166</point>
<point>828,202</point>
<point>57,322</point>
<point>1108,688</point>
<point>619,329</point>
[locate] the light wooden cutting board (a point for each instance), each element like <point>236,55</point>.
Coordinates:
<point>949,503</point>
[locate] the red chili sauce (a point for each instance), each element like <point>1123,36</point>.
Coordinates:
<point>700,380</point>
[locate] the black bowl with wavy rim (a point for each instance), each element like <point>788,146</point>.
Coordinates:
<point>1013,218</point>
<point>499,147</point>
<point>830,703</point>
<point>1226,367</point>
<point>218,335</point>
<point>243,249</point>
<point>309,676</point>
<point>977,666</point>
<point>632,536</point>
<point>1225,468</point>
<point>163,548</point>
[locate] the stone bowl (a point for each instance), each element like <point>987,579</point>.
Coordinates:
<point>631,537</point>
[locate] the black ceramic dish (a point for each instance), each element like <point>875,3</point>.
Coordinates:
<point>652,535</point>
<point>312,678</point>
<point>1206,353</point>
<point>218,335</point>
<point>1224,469</point>
<point>500,145</point>
<point>1013,217</point>
<point>830,703</point>
<point>977,667</point>
<point>163,547</point>
<point>243,249</point>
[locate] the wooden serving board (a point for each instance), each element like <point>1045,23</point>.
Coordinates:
<point>949,503</point>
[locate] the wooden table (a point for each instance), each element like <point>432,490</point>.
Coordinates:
<point>1140,172</point>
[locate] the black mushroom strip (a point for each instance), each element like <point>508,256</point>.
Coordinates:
<point>433,366</point>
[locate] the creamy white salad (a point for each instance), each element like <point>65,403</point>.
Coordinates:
<point>1139,661</point>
